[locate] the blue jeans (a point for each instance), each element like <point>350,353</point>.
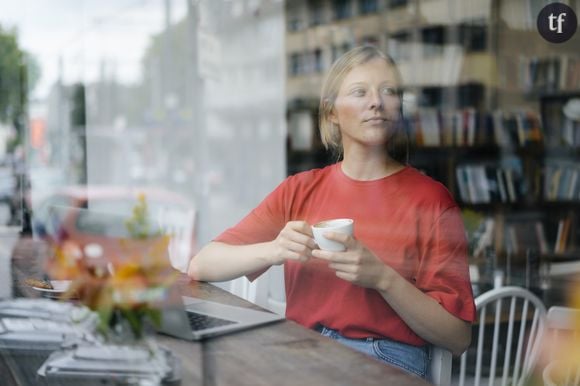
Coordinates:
<point>412,359</point>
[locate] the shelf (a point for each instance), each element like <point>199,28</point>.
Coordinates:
<point>560,257</point>
<point>521,206</point>
<point>456,149</point>
<point>531,149</point>
<point>561,151</point>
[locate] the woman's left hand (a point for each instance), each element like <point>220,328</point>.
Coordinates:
<point>356,264</point>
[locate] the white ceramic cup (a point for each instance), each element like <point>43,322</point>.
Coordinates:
<point>343,225</point>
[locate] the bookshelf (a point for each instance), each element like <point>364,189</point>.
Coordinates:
<point>495,133</point>
<point>484,102</point>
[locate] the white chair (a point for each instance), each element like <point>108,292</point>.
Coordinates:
<point>440,369</point>
<point>520,326</point>
<point>562,329</point>
<point>268,290</point>
<point>179,223</point>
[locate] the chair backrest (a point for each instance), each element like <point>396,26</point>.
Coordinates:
<point>563,331</point>
<point>179,223</point>
<point>440,369</point>
<point>507,340</point>
<point>268,290</point>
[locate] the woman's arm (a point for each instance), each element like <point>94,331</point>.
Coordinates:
<point>219,261</point>
<point>423,314</point>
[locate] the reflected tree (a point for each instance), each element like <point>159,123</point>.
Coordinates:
<point>78,118</point>
<point>19,73</point>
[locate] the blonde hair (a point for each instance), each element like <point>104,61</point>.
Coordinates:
<point>330,132</point>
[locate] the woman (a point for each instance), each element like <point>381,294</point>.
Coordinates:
<point>402,283</point>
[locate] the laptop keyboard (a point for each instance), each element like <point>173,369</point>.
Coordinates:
<point>201,321</point>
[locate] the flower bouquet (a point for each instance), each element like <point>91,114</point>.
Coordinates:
<point>123,290</point>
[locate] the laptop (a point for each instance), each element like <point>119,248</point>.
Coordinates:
<point>196,319</point>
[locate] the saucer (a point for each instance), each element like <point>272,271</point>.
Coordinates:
<point>58,288</point>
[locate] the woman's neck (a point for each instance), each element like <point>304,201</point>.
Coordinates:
<point>367,166</point>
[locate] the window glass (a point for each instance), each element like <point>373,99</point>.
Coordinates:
<point>368,6</point>
<point>399,46</point>
<point>316,12</point>
<point>48,218</point>
<point>342,9</point>
<point>397,3</point>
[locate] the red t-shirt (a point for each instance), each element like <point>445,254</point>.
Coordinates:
<point>407,219</point>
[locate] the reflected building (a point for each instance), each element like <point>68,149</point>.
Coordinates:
<point>442,48</point>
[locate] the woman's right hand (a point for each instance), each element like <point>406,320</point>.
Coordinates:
<point>295,242</point>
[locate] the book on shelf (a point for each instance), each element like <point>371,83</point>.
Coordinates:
<point>570,135</point>
<point>486,183</point>
<point>486,133</point>
<point>529,127</point>
<point>555,183</point>
<point>573,186</point>
<point>414,129</point>
<point>462,183</point>
<point>492,184</point>
<point>510,127</point>
<point>553,73</point>
<point>526,232</point>
<point>522,237</point>
<point>430,127</point>
<point>520,233</point>
<point>541,235</point>
<point>485,239</point>
<point>457,128</point>
<point>482,184</point>
<point>501,183</point>
<point>520,129</point>
<point>469,122</point>
<point>511,239</point>
<point>510,183</point>
<point>564,185</point>
<point>447,125</point>
<point>517,128</point>
<point>513,171</point>
<point>501,138</point>
<point>561,181</point>
<point>472,184</point>
<point>541,73</point>
<point>563,235</point>
<point>469,127</point>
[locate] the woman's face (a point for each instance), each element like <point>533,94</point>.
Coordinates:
<point>367,105</point>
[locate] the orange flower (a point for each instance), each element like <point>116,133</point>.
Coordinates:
<point>66,262</point>
<point>131,283</point>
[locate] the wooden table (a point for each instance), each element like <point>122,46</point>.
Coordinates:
<point>282,353</point>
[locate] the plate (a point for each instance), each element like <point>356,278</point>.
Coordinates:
<point>58,287</point>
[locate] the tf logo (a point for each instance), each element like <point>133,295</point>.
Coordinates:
<point>557,22</point>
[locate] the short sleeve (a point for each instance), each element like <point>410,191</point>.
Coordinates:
<point>262,224</point>
<point>444,271</point>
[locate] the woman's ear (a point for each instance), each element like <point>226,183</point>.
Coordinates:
<point>332,117</point>
<point>328,106</point>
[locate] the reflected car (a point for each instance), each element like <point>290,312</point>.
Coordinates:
<point>93,220</point>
